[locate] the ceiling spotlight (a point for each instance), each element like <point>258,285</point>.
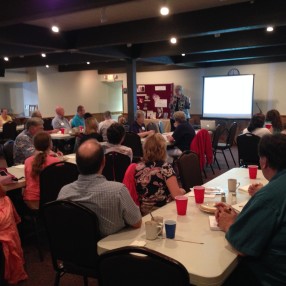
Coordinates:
<point>173,40</point>
<point>43,55</point>
<point>6,59</point>
<point>47,66</point>
<point>164,11</point>
<point>183,55</point>
<point>269,29</point>
<point>55,29</point>
<point>88,63</point>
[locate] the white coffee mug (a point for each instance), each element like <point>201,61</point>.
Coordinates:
<point>159,220</point>
<point>152,229</point>
<point>233,185</point>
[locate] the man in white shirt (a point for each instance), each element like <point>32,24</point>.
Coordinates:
<point>103,125</point>
<point>59,120</point>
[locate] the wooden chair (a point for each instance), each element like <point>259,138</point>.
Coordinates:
<point>73,233</point>
<point>140,266</point>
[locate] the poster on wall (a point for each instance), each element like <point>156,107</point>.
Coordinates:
<point>154,99</point>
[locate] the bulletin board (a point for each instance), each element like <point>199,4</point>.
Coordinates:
<point>154,99</point>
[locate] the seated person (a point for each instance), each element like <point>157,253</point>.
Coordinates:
<point>9,237</point>
<point>257,233</point>
<point>91,130</point>
<point>23,146</point>
<point>41,158</point>
<point>138,125</point>
<point>115,136</point>
<point>59,120</point>
<point>256,126</point>
<point>110,201</point>
<point>87,115</point>
<point>274,117</point>
<point>122,120</point>
<point>78,119</point>
<point>184,132</point>
<point>155,179</point>
<point>102,128</point>
<point>38,114</point>
<point>4,117</point>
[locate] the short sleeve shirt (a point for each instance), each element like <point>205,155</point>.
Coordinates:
<point>151,187</point>
<point>77,121</point>
<point>60,122</point>
<point>183,135</point>
<point>136,128</point>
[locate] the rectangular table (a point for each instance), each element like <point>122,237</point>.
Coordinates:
<point>18,172</point>
<point>209,263</point>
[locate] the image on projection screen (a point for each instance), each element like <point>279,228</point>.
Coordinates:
<point>228,96</point>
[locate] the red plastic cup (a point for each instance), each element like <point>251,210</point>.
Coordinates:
<point>252,169</point>
<point>80,128</point>
<point>199,194</point>
<point>62,130</point>
<point>268,125</point>
<point>181,203</point>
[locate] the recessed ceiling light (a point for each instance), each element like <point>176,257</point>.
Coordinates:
<point>88,63</point>
<point>43,55</point>
<point>164,11</point>
<point>47,66</point>
<point>269,29</point>
<point>6,59</point>
<point>55,29</point>
<point>173,40</point>
<point>183,55</point>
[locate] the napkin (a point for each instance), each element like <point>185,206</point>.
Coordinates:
<point>192,194</point>
<point>244,188</point>
<point>213,223</point>
<point>238,207</point>
<point>138,243</point>
<point>20,166</point>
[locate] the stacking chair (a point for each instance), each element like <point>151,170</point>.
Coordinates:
<point>152,126</point>
<point>247,146</point>
<point>189,169</point>
<point>73,233</point>
<point>115,166</point>
<point>222,146</point>
<point>140,266</point>
<point>9,131</point>
<point>48,124</point>
<point>220,129</point>
<point>8,152</point>
<point>133,141</point>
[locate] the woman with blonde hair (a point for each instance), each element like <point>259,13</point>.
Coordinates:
<point>155,179</point>
<point>42,158</point>
<point>91,130</point>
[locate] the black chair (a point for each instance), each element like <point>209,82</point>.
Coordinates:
<point>73,233</point>
<point>220,129</point>
<point>140,266</point>
<point>189,169</point>
<point>222,146</point>
<point>247,147</point>
<point>152,126</point>
<point>9,131</point>
<point>115,166</point>
<point>133,141</point>
<point>48,124</point>
<point>8,152</point>
<point>2,266</point>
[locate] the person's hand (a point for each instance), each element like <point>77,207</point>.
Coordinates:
<point>225,216</point>
<point>170,138</point>
<point>5,180</point>
<point>55,130</point>
<point>60,154</point>
<point>220,207</point>
<point>254,188</point>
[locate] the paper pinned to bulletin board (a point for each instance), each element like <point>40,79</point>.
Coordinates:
<point>154,99</point>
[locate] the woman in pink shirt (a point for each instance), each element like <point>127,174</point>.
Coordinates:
<point>42,158</point>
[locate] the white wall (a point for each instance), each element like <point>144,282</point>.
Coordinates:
<point>4,96</point>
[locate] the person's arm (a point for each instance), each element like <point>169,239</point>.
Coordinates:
<point>173,187</point>
<point>170,138</point>
<point>187,102</point>
<point>254,188</point>
<point>146,133</point>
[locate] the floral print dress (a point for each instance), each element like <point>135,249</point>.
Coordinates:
<point>152,190</point>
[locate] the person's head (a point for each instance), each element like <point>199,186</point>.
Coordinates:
<point>36,113</point>
<point>178,90</point>
<point>80,111</point>
<point>179,117</point>
<point>107,115</point>
<point>4,111</point>
<point>121,120</point>
<point>257,121</point>
<point>34,125</point>
<point>139,116</point>
<point>155,148</point>
<point>90,157</point>
<point>115,133</point>
<point>272,152</point>
<point>273,115</point>
<point>91,125</point>
<point>87,115</point>
<point>60,111</point>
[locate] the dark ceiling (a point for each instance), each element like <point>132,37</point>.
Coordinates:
<point>226,35</point>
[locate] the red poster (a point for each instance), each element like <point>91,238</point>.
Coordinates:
<point>154,99</point>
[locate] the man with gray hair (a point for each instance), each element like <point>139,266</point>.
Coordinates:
<point>138,125</point>
<point>103,125</point>
<point>23,146</point>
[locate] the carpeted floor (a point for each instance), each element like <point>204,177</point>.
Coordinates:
<point>42,273</point>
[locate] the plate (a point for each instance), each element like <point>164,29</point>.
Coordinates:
<point>208,207</point>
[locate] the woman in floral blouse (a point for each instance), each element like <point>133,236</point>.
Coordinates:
<point>155,179</point>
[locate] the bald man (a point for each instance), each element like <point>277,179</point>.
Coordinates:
<point>59,120</point>
<point>109,200</point>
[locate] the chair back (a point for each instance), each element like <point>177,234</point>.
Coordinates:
<point>53,178</point>
<point>133,141</point>
<point>2,265</point>
<point>9,130</point>
<point>189,170</point>
<point>247,146</point>
<point>152,126</point>
<point>217,134</point>
<point>115,166</point>
<point>48,123</point>
<point>231,134</point>
<point>8,152</point>
<point>140,266</point>
<point>73,233</point>
<point>161,127</point>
